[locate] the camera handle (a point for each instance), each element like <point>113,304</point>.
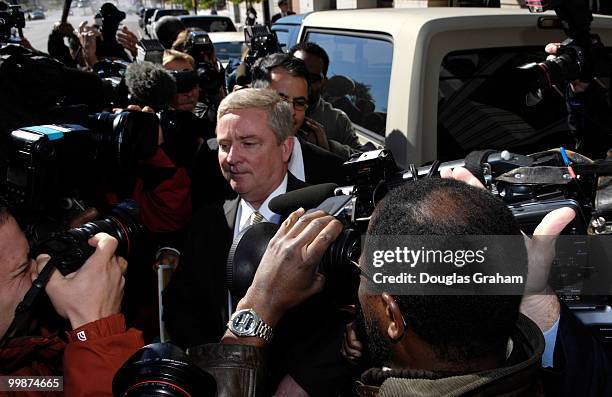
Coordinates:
<point>23,308</point>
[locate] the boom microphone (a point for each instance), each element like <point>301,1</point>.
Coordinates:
<point>308,197</point>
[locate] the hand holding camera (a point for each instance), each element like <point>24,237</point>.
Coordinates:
<point>63,28</point>
<point>88,35</point>
<point>577,85</point>
<point>95,290</point>
<point>288,272</point>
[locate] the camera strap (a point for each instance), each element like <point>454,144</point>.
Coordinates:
<point>474,163</point>
<point>24,307</point>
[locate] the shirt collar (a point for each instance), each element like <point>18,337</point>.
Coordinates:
<point>245,210</point>
<point>296,162</point>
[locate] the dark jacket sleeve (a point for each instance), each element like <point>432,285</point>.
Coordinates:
<point>95,352</point>
<point>581,366</point>
<point>193,301</point>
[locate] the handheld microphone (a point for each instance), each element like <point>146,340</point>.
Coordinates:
<point>308,197</point>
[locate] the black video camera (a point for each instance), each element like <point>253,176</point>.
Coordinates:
<point>11,17</point>
<point>49,164</point>
<point>211,77</point>
<point>531,186</point>
<point>111,18</point>
<point>261,42</point>
<point>199,46</point>
<point>113,73</point>
<point>580,57</point>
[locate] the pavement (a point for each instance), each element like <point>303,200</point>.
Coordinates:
<point>37,32</point>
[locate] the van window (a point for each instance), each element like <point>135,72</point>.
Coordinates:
<point>358,76</point>
<point>482,104</point>
<point>283,37</point>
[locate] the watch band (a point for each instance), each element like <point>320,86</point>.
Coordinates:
<point>264,331</point>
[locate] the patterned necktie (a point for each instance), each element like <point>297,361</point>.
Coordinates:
<point>256,217</point>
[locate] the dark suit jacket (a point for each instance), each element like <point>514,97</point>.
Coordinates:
<point>278,16</point>
<point>195,307</point>
<point>320,165</point>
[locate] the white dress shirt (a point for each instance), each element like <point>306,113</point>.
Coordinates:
<point>296,162</point>
<point>245,210</point>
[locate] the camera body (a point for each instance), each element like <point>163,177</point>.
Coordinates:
<point>531,186</point>
<point>261,41</point>
<point>575,60</point>
<point>199,46</point>
<point>49,163</point>
<point>70,248</point>
<point>210,78</point>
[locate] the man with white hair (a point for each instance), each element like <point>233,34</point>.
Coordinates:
<point>254,133</point>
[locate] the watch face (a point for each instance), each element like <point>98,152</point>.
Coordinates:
<point>244,323</point>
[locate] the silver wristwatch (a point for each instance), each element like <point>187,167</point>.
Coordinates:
<point>247,323</point>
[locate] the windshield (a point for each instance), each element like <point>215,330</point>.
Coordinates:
<point>210,24</point>
<point>228,50</point>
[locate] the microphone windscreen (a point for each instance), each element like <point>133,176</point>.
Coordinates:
<point>308,197</point>
<point>150,85</point>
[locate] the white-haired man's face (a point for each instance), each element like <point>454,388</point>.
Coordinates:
<point>251,159</point>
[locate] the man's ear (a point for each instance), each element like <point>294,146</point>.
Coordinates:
<point>396,327</point>
<point>287,148</point>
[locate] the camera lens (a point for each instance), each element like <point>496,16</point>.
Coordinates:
<point>562,68</point>
<point>122,223</point>
<point>162,369</point>
<point>209,79</point>
<point>125,138</point>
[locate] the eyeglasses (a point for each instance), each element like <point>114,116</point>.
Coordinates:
<point>299,103</point>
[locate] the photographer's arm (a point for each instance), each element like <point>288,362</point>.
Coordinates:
<point>128,40</point>
<point>55,44</point>
<point>90,299</point>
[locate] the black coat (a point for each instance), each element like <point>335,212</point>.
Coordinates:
<point>320,165</point>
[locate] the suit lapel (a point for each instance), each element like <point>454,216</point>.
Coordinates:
<point>230,209</point>
<point>293,183</point>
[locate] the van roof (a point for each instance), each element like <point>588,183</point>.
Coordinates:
<point>397,19</point>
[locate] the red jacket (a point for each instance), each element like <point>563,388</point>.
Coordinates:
<point>88,361</point>
<point>166,206</point>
